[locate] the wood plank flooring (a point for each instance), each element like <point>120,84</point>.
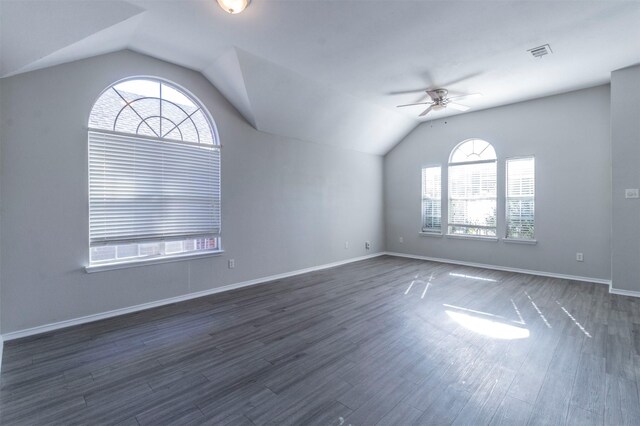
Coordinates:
<point>388,341</point>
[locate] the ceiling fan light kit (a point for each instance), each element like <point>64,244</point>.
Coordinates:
<point>233,6</point>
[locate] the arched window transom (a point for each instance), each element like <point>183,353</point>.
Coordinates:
<point>472,150</point>
<point>153,108</point>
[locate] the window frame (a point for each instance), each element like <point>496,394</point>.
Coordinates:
<point>423,228</point>
<point>506,237</point>
<point>163,256</point>
<point>451,164</point>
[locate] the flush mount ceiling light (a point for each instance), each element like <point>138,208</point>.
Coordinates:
<point>233,6</point>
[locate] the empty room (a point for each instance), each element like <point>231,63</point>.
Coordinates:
<point>319,212</point>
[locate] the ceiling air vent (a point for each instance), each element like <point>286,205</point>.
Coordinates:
<point>540,51</point>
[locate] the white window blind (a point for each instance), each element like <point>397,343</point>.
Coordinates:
<point>154,174</point>
<point>145,189</point>
<point>472,198</point>
<point>520,201</point>
<point>431,199</point>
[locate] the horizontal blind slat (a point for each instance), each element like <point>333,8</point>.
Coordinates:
<point>142,189</point>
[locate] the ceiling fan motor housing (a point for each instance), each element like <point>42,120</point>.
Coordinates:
<point>442,93</point>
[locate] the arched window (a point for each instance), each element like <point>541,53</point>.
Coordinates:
<point>154,174</point>
<point>472,189</point>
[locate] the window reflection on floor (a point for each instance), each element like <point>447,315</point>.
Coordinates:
<point>574,320</point>
<point>472,277</point>
<point>485,323</point>
<point>487,327</point>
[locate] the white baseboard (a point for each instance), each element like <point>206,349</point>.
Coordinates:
<point>622,292</point>
<point>612,290</point>
<point>504,268</point>
<point>104,315</point>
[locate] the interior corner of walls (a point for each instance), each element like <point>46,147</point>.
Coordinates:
<point>402,138</point>
<point>1,351</point>
<point>622,292</point>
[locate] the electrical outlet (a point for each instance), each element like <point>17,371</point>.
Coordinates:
<point>632,193</point>
<point>367,245</point>
<point>232,263</point>
<point>346,244</point>
<point>401,239</point>
<point>579,257</point>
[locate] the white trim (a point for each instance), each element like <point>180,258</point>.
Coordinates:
<point>504,268</point>
<point>116,312</point>
<point>519,241</point>
<point>472,237</point>
<point>622,292</point>
<point>464,163</point>
<point>213,146</point>
<point>505,227</point>
<point>150,261</point>
<point>430,234</point>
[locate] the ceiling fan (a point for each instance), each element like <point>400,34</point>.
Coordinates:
<point>440,100</point>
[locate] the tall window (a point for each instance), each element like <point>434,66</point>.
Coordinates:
<point>154,174</point>
<point>431,201</point>
<point>520,198</point>
<point>472,189</point>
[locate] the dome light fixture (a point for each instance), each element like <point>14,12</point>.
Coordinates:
<point>233,6</point>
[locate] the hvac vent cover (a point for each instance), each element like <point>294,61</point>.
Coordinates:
<point>540,51</point>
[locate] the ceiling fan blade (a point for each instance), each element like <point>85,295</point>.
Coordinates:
<point>417,103</point>
<point>459,107</point>
<point>433,94</point>
<point>426,111</point>
<point>461,79</point>
<point>406,92</point>
<point>471,95</point>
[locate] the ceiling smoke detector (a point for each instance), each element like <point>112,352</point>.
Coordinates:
<point>540,51</point>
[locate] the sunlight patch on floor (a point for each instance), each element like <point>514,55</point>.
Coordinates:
<point>487,327</point>
<point>574,320</point>
<point>472,277</point>
<point>538,310</point>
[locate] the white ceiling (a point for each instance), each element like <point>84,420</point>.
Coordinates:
<point>333,71</point>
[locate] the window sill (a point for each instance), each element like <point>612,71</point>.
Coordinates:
<point>519,241</point>
<point>430,234</point>
<point>472,237</point>
<point>149,261</point>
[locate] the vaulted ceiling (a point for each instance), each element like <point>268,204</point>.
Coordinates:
<point>333,71</point>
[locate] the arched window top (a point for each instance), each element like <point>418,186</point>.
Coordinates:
<point>472,150</point>
<point>153,108</point>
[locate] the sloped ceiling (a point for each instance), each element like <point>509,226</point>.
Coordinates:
<point>36,34</point>
<point>226,74</point>
<point>280,101</point>
<point>333,71</point>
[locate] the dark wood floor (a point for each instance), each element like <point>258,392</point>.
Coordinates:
<point>382,341</point>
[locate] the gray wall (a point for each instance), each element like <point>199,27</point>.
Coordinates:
<point>625,156</point>
<point>1,209</point>
<point>287,204</point>
<point>569,136</point>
